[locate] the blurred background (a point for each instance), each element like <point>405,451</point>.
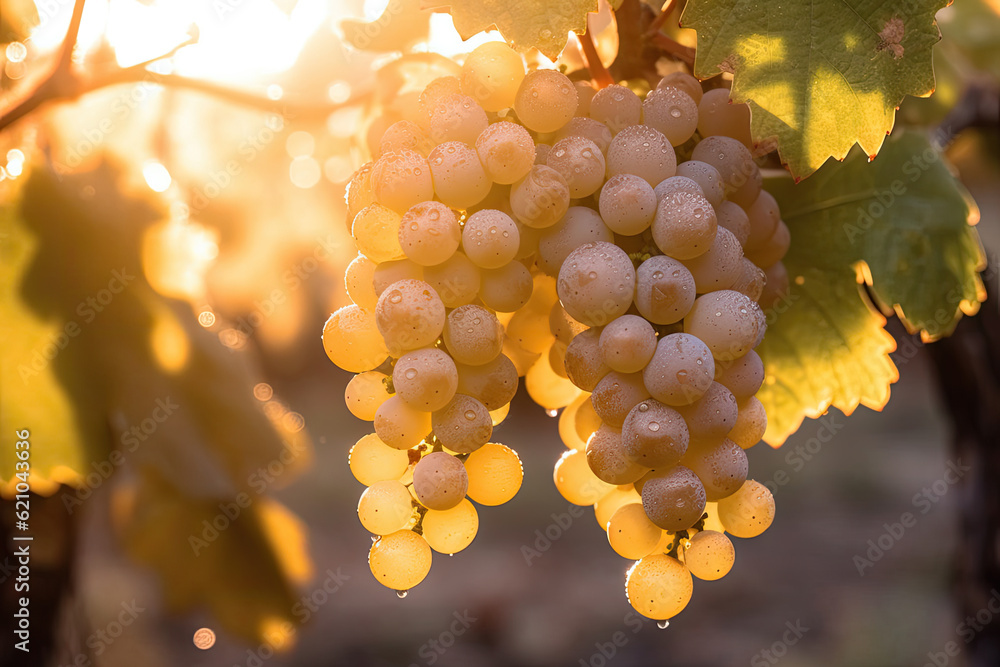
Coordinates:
<point>174,186</point>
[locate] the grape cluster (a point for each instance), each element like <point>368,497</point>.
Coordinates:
<point>616,253</point>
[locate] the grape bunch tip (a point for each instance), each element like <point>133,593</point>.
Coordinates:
<point>615,254</point>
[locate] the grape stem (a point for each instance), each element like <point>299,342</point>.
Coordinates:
<point>672,48</point>
<point>598,72</point>
<point>654,27</point>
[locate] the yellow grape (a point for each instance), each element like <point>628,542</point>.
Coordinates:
<point>352,341</point>
<point>495,474</point>
<point>749,511</point>
<point>365,393</point>
<point>709,555</point>
<point>606,507</point>
<point>576,481</point>
<point>630,532</point>
<point>385,507</point>
<point>400,560</point>
<point>659,587</point>
<point>371,460</point>
<point>449,531</point>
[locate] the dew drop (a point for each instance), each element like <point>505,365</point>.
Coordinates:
<point>470,415</point>
<point>643,407</point>
<point>410,373</point>
<point>402,594</point>
<point>654,426</point>
<point>552,413</point>
<point>662,625</point>
<point>675,112</point>
<point>395,296</point>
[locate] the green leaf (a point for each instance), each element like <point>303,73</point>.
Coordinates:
<point>523,23</point>
<point>402,24</point>
<point>819,75</point>
<point>900,225</point>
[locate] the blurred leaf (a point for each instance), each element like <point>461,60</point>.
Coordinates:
<point>523,23</point>
<point>401,25</point>
<point>973,28</point>
<point>31,394</point>
<point>821,75</point>
<point>139,384</point>
<point>17,20</point>
<point>243,567</point>
<point>900,224</point>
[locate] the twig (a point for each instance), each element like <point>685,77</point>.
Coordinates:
<point>661,18</point>
<point>65,84</point>
<point>598,72</point>
<point>672,48</point>
<point>69,42</point>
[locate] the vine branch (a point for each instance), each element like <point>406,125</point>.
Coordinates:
<point>598,72</point>
<point>672,48</point>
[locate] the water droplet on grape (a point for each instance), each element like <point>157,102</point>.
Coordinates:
<point>675,112</point>
<point>402,594</point>
<point>654,426</point>
<point>395,296</point>
<point>662,625</point>
<point>552,413</point>
<point>410,373</point>
<point>470,415</point>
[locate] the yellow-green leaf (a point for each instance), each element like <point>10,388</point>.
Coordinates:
<point>523,23</point>
<point>819,75</point>
<point>901,226</point>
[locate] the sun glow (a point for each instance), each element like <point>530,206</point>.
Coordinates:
<point>238,41</point>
